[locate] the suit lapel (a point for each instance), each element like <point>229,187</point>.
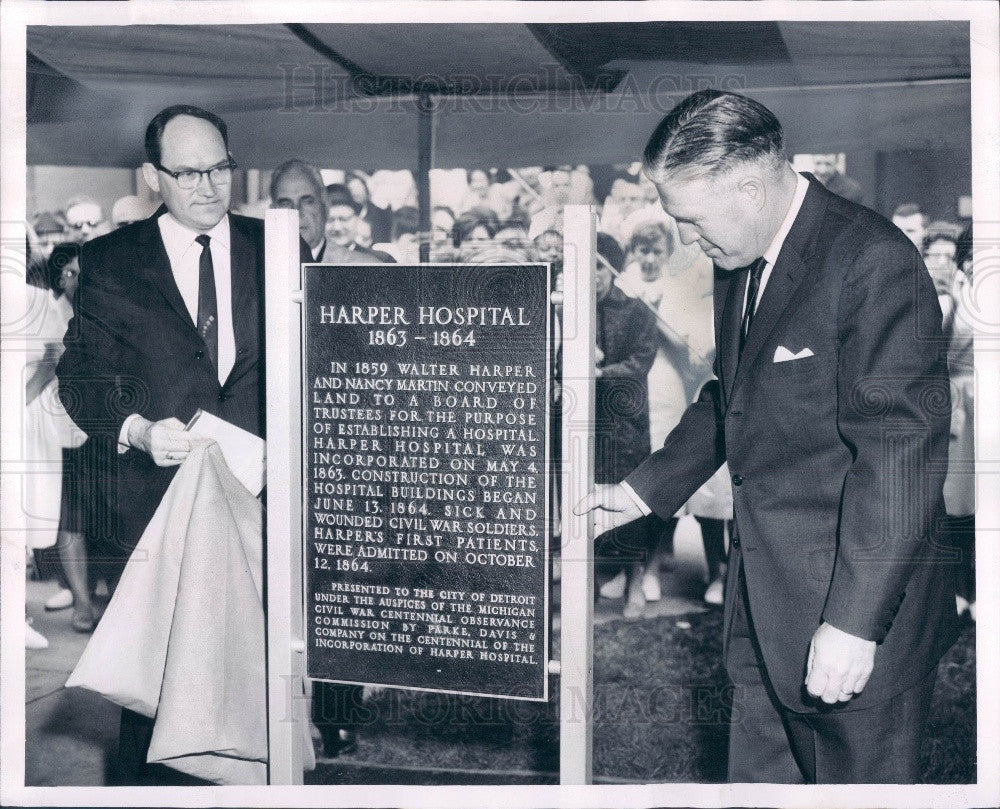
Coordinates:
<point>156,265</point>
<point>729,303</point>
<point>786,277</point>
<point>243,260</point>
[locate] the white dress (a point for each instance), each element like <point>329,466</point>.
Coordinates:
<point>682,299</point>
<point>47,427</point>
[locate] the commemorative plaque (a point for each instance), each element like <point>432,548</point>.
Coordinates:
<point>425,423</point>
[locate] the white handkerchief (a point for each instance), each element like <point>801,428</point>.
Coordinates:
<point>782,354</point>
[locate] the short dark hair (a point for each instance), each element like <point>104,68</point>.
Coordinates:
<point>909,209</point>
<point>963,250</point>
<point>712,130</point>
<point>405,220</point>
<point>647,233</point>
<point>338,194</point>
<point>61,255</point>
<point>519,218</point>
<point>154,132</point>
<point>609,249</point>
<point>473,218</point>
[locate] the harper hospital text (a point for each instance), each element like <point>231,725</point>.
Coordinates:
<point>334,315</point>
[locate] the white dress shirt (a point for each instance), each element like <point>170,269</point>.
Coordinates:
<point>771,254</point>
<point>184,254</point>
<point>770,257</point>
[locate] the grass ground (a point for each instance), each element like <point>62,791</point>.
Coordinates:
<point>660,712</point>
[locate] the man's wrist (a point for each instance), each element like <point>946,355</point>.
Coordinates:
<point>132,432</point>
<point>639,502</point>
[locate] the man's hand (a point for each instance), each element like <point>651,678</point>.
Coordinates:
<point>839,664</point>
<point>612,505</point>
<point>165,441</point>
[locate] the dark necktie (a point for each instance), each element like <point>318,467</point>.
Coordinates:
<point>208,314</point>
<point>756,273</point>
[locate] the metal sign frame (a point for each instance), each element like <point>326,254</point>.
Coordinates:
<point>286,698</point>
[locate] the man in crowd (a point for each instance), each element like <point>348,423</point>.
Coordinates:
<point>831,408</point>
<point>825,170</point>
<point>84,219</point>
<point>129,209</point>
<point>167,322</point>
<point>379,219</point>
<point>299,185</point>
<point>342,226</point>
<point>911,220</point>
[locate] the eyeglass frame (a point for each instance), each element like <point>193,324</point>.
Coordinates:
<point>229,165</point>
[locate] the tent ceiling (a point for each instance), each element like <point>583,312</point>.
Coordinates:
<point>515,94</point>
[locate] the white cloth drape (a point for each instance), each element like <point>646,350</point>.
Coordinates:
<point>183,637</point>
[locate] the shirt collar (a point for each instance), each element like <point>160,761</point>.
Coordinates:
<point>178,237</point>
<point>801,186</point>
<point>317,254</point>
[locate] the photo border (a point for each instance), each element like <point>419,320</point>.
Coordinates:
<point>15,15</point>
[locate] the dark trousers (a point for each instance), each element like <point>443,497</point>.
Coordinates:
<point>770,744</point>
<point>960,533</point>
<point>714,540</point>
<point>336,707</point>
<point>632,542</point>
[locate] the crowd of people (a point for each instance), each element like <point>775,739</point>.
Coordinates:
<point>654,317</point>
<point>655,279</point>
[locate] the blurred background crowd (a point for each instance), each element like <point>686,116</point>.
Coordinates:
<point>654,325</point>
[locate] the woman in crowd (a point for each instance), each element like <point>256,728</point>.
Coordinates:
<point>626,345</point>
<point>63,273</point>
<point>474,230</point>
<point>478,194</point>
<point>960,483</point>
<point>675,281</point>
<point>48,431</point>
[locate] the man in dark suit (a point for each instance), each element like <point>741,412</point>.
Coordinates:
<point>831,406</point>
<point>825,170</point>
<point>168,321</point>
<point>299,185</point>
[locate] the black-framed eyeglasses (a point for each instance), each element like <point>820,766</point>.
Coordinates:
<point>190,178</point>
<point>84,224</point>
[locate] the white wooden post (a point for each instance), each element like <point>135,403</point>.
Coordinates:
<point>286,707</point>
<point>577,584</point>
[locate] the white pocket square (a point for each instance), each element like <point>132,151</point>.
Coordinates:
<point>782,354</point>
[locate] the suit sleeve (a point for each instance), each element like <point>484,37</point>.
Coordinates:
<point>97,392</point>
<point>690,455</point>
<point>893,413</point>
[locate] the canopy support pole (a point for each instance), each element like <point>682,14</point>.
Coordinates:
<point>425,162</point>
<point>576,609</point>
<point>287,704</point>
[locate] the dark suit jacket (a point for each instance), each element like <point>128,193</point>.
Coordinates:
<point>837,459</point>
<point>380,220</point>
<point>335,254</point>
<point>133,348</point>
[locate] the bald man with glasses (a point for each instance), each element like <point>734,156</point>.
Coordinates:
<point>168,321</point>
